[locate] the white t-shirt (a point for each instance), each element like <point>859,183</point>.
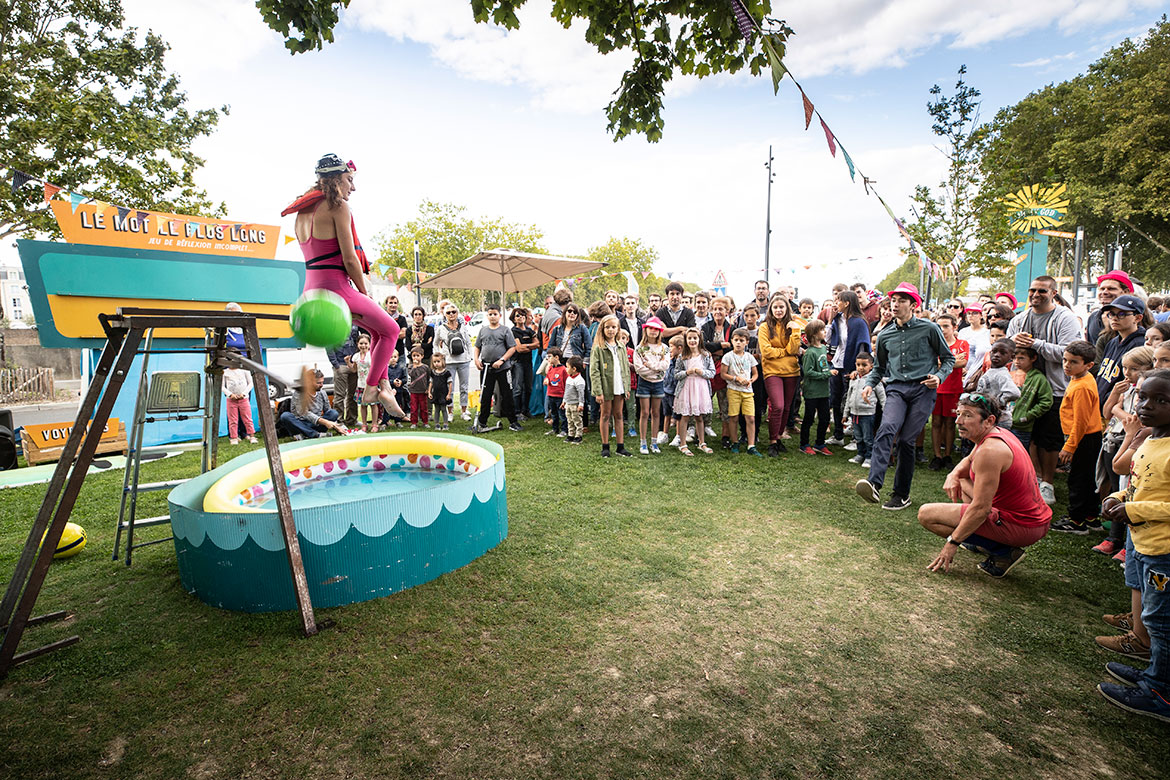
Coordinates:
<point>741,365</point>
<point>980,341</point>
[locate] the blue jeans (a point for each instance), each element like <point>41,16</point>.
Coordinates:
<point>907,408</point>
<point>1154,574</point>
<point>838,389</point>
<point>304,427</point>
<point>559,423</point>
<point>863,435</point>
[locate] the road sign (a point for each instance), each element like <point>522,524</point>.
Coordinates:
<point>720,280</point>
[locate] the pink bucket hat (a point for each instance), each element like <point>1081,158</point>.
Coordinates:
<point>1010,297</point>
<point>907,289</point>
<point>655,323</point>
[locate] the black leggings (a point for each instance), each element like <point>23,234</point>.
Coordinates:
<point>818,407</point>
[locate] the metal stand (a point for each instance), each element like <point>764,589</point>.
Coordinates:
<point>124,334</point>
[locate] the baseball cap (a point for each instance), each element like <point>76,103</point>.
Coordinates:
<point>1126,303</point>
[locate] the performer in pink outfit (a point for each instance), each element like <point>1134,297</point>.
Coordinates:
<point>335,261</point>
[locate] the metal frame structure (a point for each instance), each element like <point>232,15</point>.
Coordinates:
<point>125,332</point>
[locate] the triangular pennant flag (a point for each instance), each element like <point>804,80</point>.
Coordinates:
<point>808,109</point>
<point>289,239</point>
<point>19,179</point>
<point>670,274</point>
<point>743,19</point>
<point>75,200</point>
<point>645,274</point>
<point>849,162</point>
<point>142,216</point>
<point>829,137</point>
<point>50,191</point>
<point>122,213</point>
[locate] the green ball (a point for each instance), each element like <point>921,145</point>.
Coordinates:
<point>320,318</point>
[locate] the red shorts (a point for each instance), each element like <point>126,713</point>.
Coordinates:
<point>1005,531</point>
<point>946,404</point>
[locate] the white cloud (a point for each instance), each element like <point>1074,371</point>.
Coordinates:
<point>212,36</point>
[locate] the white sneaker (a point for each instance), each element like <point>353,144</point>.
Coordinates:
<point>662,437</point>
<point>466,415</point>
<point>690,434</point>
<point>674,442</point>
<point>834,440</point>
<point>561,435</point>
<point>1047,493</point>
<point>865,463</point>
<point>851,446</point>
<point>710,432</point>
<point>856,459</point>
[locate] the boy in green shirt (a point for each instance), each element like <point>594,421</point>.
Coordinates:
<point>1035,395</point>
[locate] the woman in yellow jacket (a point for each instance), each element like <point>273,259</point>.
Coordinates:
<point>779,338</point>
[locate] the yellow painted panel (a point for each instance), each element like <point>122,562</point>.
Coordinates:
<point>76,316</point>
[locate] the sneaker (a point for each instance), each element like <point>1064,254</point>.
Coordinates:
<point>998,567</point>
<point>710,432</point>
<point>947,463</point>
<point>753,451</point>
<point>1107,547</point>
<point>550,433</point>
<point>734,448</point>
<point>823,451</point>
<point>726,443</point>
<point>1122,621</point>
<point>834,440</point>
<point>867,490</point>
<point>252,440</point>
<point>1094,524</point>
<point>936,464</point>
<point>563,435</point>
<point>690,434</point>
<point>975,548</point>
<point>919,455</point>
<point>233,442</point>
<point>643,449</point>
<point>662,437</point>
<point>1047,493</point>
<point>773,451</point>
<point>808,450</point>
<point>1120,557</point>
<point>605,450</point>
<point>856,458</point>
<point>413,426</point>
<point>1066,526</point>
<point>517,427</point>
<point>895,503</point>
<point>633,432</point>
<point>675,442</point>
<point>1124,673</point>
<point>865,463</point>
<point>780,447</point>
<point>654,450</point>
<point>298,437</point>
<point>851,446</point>
<point>623,452</point>
<point>467,416</point>
<point>1135,700</point>
<point>1126,644</point>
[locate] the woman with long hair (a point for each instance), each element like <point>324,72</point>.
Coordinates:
<point>335,261</point>
<point>848,335</point>
<point>779,342</point>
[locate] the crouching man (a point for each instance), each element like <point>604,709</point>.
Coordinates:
<point>998,510</point>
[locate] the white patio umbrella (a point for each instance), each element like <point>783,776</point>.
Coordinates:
<point>508,271</point>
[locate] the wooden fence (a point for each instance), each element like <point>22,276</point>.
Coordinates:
<point>26,385</point>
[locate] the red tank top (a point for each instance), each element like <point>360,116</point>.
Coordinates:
<point>1018,496</point>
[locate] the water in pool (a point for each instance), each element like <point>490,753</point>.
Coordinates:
<point>344,488</point>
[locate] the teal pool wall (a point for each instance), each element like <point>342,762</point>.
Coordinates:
<point>352,551</point>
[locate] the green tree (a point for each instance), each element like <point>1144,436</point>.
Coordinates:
<point>620,254</point>
<point>86,106</point>
<point>445,236</point>
<point>691,37</point>
<point>1105,134</point>
<point>959,224</point>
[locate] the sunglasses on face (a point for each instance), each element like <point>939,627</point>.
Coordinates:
<point>953,306</point>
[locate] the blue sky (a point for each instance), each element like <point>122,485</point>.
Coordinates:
<point>511,125</point>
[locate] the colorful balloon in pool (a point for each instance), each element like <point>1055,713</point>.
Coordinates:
<point>320,318</point>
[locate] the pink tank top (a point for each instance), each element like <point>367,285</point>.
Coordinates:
<point>1018,496</point>
<point>321,253</point>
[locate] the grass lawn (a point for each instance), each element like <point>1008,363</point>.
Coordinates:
<point>721,616</point>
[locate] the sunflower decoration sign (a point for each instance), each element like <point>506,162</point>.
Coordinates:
<point>1033,211</point>
<point>1037,207</point>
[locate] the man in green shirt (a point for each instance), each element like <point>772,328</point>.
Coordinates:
<point>913,358</point>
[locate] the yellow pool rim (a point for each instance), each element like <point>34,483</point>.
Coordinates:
<point>221,496</point>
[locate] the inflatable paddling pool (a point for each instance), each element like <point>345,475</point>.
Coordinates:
<point>374,514</point>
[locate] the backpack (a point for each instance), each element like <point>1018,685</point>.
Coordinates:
<point>455,343</point>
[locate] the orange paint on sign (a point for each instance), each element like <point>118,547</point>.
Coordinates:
<point>56,434</point>
<point>100,224</point>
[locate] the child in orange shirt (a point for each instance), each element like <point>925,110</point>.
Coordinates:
<point>1080,418</point>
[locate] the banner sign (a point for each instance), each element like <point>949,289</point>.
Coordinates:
<point>100,224</point>
<point>56,434</point>
<point>1057,233</point>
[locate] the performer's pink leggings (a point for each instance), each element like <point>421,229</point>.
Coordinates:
<point>367,315</point>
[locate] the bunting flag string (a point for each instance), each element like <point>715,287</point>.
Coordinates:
<point>19,179</point>
<point>779,70</point>
<point>50,191</point>
<point>75,200</point>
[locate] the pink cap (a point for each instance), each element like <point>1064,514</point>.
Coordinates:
<point>655,323</point>
<point>1119,276</point>
<point>1010,297</point>
<point>907,289</point>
